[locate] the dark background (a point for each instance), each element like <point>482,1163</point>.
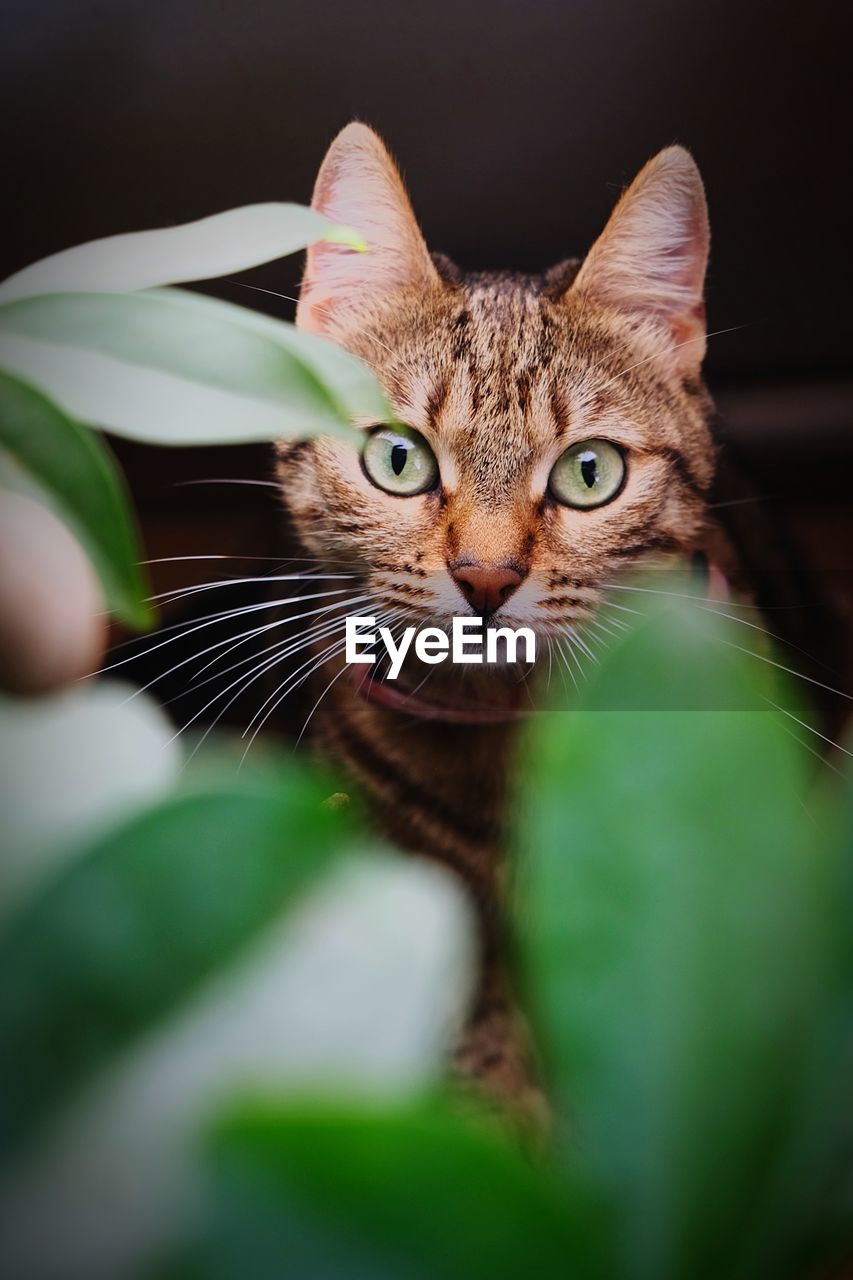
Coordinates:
<point>516,125</point>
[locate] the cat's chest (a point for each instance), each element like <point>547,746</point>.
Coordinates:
<point>434,789</point>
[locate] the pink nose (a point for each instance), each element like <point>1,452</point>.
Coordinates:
<point>485,589</point>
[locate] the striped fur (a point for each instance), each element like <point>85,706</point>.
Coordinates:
<point>500,373</point>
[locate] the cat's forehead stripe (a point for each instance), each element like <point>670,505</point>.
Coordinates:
<point>500,373</point>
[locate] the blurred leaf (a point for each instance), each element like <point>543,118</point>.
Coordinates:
<point>213,246</point>
<point>384,1194</point>
<point>374,978</point>
<point>130,928</point>
<point>359,989</point>
<point>75,763</point>
<point>675,942</point>
<point>168,367</point>
<point>78,474</point>
<point>683,653</point>
<point>347,379</point>
<point>806,1217</point>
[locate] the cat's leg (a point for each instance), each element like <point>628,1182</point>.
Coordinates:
<point>495,1059</point>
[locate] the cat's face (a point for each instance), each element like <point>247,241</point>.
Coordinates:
<point>557,426</point>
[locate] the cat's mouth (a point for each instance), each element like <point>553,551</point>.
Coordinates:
<point>486,701</point>
<point>401,697</point>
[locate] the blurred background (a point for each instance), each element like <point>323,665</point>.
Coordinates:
<point>516,126</point>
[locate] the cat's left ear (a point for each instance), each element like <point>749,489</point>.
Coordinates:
<point>650,260</point>
<point>360,186</point>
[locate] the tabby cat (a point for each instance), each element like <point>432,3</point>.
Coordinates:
<point>556,431</point>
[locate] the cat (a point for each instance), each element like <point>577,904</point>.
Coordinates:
<point>556,429</point>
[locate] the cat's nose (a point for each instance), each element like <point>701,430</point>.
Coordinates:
<point>485,588</point>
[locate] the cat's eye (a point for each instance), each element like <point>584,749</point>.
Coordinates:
<point>588,474</point>
<point>399,461</point>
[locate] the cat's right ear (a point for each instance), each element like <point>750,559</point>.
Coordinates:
<point>649,262</point>
<point>360,186</point>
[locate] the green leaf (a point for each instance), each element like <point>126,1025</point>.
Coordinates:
<point>678,932</point>
<point>399,1193</point>
<point>352,386</point>
<point>807,1214</point>
<point>683,652</point>
<point>127,930</point>
<point>171,368</point>
<point>358,988</point>
<point>213,246</point>
<point>75,763</point>
<point>77,472</point>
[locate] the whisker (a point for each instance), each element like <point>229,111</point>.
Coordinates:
<point>185,593</point>
<point>581,643</point>
<point>256,288</point>
<point>656,355</point>
<point>789,670</point>
<point>283,686</point>
<point>811,729</point>
<point>288,686</point>
<point>211,556</point>
<point>282,648</point>
<point>560,666</point>
<point>333,680</point>
<point>680,595</point>
<point>291,684</point>
<point>209,620</point>
<point>184,628</point>
<point>753,626</point>
<point>254,674</point>
<point>248,679</point>
<point>267,626</point>
<point>819,755</point>
<point>185,484</point>
<point>182,593</point>
<point>337,604</point>
<point>567,664</point>
<point>601,643</point>
<point>242,681</point>
<point>323,306</point>
<point>623,608</point>
<point>739,502</point>
<point>239,555</point>
<point>703,604</point>
<point>602,626</point>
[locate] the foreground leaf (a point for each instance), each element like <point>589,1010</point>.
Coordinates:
<point>171,368</point>
<point>128,930</point>
<point>77,473</point>
<point>806,1217</point>
<point>353,388</point>
<point>75,763</point>
<point>213,246</point>
<point>680,943</point>
<point>389,1194</point>
<point>357,989</point>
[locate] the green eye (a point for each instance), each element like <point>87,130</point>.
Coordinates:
<point>399,461</point>
<point>588,475</point>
